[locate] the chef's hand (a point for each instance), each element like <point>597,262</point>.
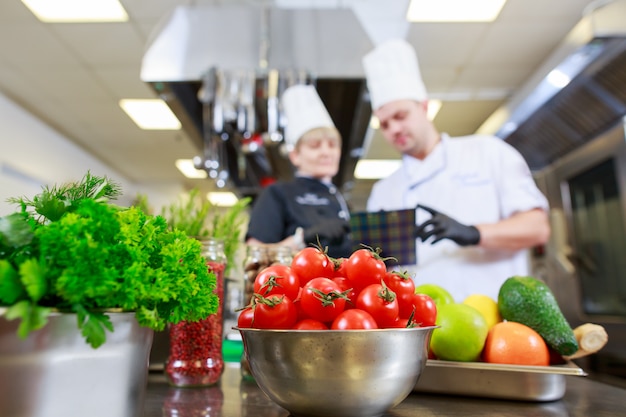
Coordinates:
<point>443,227</point>
<point>331,229</point>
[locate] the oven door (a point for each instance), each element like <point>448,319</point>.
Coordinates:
<point>585,261</point>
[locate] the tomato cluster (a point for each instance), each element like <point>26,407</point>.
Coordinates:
<point>317,292</point>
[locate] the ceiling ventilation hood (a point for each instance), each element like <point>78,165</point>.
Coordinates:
<point>197,51</point>
<point>577,94</point>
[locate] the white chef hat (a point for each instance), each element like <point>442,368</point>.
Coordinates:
<point>304,111</point>
<point>393,73</point>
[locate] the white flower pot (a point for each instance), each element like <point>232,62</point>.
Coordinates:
<point>55,373</point>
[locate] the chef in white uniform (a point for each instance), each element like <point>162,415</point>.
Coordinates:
<point>478,207</point>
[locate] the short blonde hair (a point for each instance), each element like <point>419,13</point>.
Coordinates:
<point>324,132</point>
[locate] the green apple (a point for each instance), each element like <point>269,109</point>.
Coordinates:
<point>439,294</point>
<point>461,334</point>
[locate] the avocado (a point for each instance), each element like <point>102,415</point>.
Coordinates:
<point>529,301</point>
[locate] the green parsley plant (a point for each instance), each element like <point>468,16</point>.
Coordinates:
<point>69,249</point>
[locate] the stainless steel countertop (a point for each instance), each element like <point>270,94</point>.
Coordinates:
<point>233,397</point>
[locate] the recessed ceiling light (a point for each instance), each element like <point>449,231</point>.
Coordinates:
<point>74,11</point>
<point>150,114</point>
<point>454,10</point>
<point>222,198</point>
<point>188,169</point>
<point>373,169</point>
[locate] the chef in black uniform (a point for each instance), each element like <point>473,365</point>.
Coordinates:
<point>298,212</point>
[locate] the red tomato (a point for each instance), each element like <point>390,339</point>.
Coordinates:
<point>380,302</point>
<point>425,310</point>
<point>354,319</point>
<point>246,318</point>
<point>365,267</point>
<point>312,263</point>
<point>321,299</point>
<point>401,323</point>
<point>346,288</point>
<point>299,312</point>
<point>340,267</point>
<point>404,287</point>
<point>310,324</point>
<point>275,280</point>
<point>274,312</point>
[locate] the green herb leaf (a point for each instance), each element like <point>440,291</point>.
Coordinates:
<point>32,275</point>
<point>15,230</point>
<point>188,214</point>
<point>11,288</point>
<point>93,326</point>
<point>53,202</point>
<point>32,317</point>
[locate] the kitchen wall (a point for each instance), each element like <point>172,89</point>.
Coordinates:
<point>33,154</point>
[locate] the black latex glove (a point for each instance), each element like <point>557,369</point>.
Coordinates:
<point>331,229</point>
<point>443,227</point>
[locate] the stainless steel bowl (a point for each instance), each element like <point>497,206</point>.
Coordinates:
<point>337,372</point>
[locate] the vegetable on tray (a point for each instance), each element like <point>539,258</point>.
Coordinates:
<point>529,301</point>
<point>591,338</point>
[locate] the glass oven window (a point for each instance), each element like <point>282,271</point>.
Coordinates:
<point>600,239</point>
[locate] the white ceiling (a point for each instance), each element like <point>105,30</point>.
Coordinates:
<point>72,76</point>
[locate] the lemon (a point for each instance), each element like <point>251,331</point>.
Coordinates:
<point>461,333</point>
<point>487,306</point>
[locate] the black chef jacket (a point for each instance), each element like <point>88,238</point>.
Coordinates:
<point>284,206</point>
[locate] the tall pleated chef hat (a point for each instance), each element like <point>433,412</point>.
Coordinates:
<point>304,110</point>
<point>392,73</point>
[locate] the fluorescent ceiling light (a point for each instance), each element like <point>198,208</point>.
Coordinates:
<point>222,198</point>
<point>188,169</point>
<point>454,10</point>
<point>73,11</point>
<point>373,169</point>
<point>150,114</point>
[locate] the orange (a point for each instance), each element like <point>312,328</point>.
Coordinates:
<point>509,342</point>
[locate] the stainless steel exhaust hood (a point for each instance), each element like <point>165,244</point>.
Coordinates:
<point>577,94</point>
<point>195,43</point>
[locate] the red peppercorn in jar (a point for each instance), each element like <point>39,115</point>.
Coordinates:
<point>195,357</point>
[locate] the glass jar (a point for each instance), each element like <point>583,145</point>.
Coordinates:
<point>280,255</point>
<point>195,357</point>
<point>256,259</point>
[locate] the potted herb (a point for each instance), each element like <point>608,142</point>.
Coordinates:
<point>197,217</point>
<point>71,252</point>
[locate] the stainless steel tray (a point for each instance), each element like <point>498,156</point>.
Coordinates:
<point>513,382</point>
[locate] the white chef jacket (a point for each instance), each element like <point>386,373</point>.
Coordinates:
<point>473,179</point>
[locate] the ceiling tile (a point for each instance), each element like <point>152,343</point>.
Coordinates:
<point>14,11</point>
<point>563,10</point>
<point>26,45</point>
<point>102,44</point>
<point>125,82</point>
